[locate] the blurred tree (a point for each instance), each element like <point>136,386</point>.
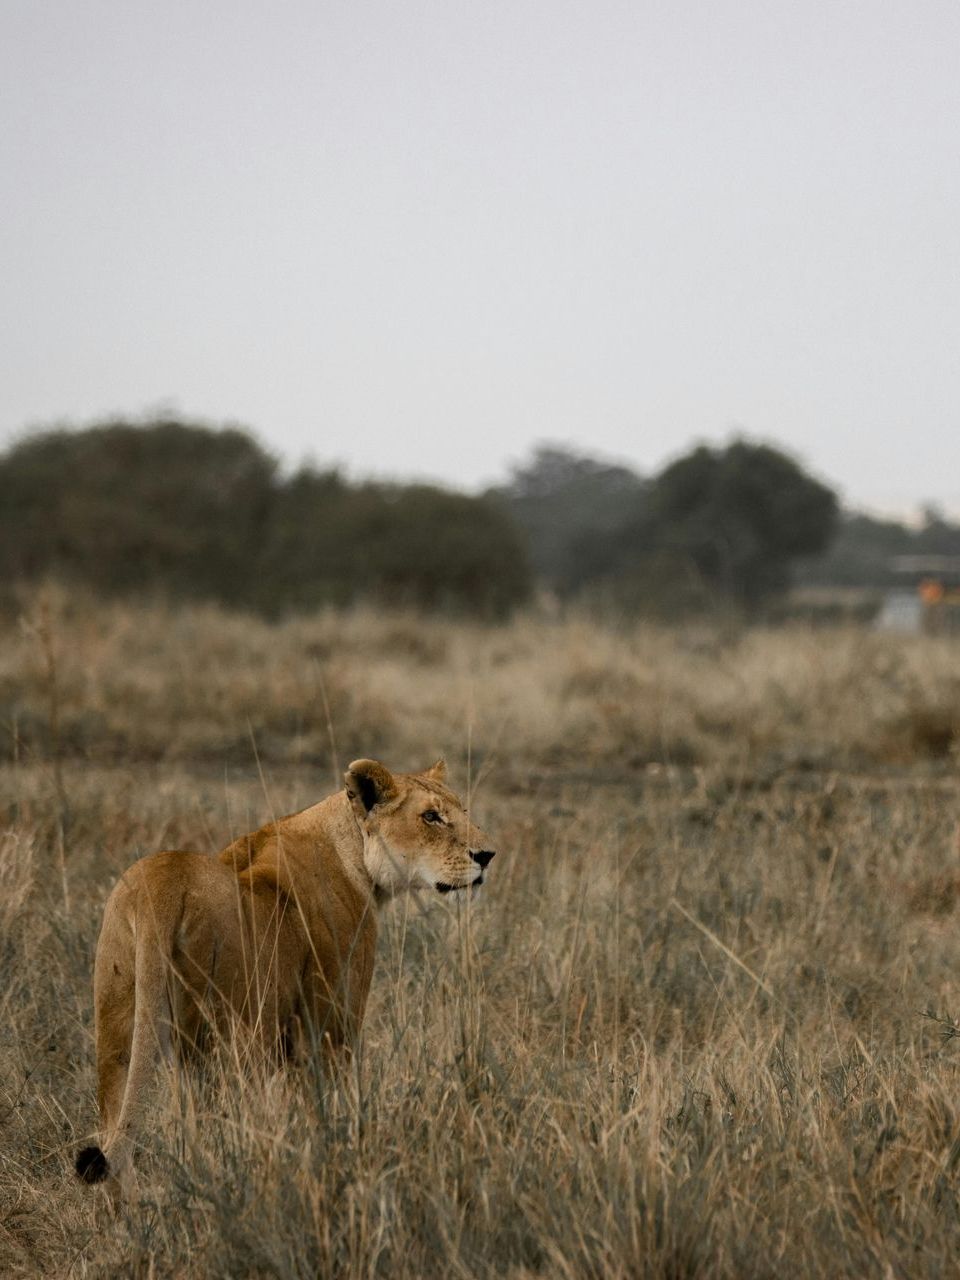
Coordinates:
<point>724,523</point>
<point>567,504</point>
<point>448,551</point>
<point>404,545</point>
<point>169,506</point>
<point>300,560</point>
<point>743,515</point>
<point>191,511</point>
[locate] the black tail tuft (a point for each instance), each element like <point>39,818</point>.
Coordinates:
<point>91,1165</point>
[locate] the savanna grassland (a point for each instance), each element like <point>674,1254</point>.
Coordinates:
<point>700,1023</point>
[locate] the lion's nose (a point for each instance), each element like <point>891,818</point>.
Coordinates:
<point>483,857</point>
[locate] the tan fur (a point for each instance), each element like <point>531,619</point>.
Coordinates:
<point>277,931</point>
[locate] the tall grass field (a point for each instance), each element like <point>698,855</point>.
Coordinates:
<point>700,1022</point>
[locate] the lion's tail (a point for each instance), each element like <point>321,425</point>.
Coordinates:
<point>150,1039</point>
<point>91,1165</point>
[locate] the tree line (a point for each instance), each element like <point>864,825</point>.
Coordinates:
<point>188,511</point>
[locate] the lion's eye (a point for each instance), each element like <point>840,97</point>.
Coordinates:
<point>431,815</point>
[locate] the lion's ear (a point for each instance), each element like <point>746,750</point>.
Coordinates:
<point>437,772</point>
<point>370,782</point>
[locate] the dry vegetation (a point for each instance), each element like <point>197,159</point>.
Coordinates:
<point>683,1033</point>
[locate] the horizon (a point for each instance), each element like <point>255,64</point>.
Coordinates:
<point>913,517</point>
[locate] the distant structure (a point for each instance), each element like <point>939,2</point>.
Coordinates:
<point>928,600</point>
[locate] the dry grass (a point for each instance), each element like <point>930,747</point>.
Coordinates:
<point>148,684</point>
<point>682,1035</point>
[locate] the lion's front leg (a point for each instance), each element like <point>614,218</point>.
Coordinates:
<point>331,1015</point>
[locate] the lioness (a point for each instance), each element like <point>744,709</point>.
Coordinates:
<point>278,930</point>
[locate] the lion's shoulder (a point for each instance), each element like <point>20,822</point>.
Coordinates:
<point>242,852</point>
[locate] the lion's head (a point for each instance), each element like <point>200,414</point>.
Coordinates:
<point>416,831</point>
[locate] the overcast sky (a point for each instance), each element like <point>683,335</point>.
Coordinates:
<point>417,236</point>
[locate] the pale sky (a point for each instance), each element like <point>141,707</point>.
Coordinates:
<point>416,237</point>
